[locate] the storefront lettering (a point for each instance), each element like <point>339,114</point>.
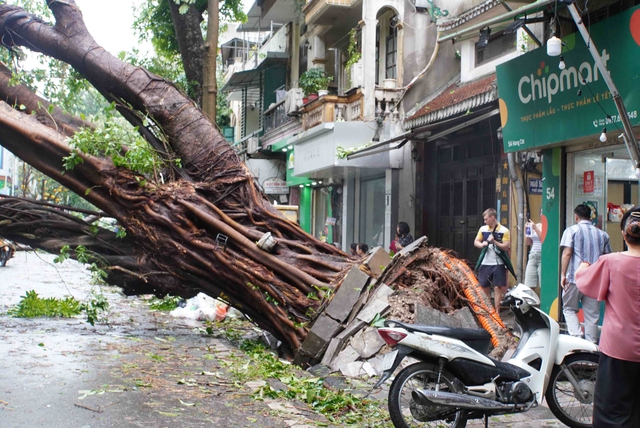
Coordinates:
<point>531,88</point>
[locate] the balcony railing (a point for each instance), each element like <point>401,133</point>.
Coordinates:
<point>332,108</point>
<point>276,116</point>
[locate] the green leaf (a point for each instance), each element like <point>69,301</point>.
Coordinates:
<point>183,9</point>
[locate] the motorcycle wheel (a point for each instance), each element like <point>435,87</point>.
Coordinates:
<point>562,396</point>
<point>406,413</point>
<point>4,256</point>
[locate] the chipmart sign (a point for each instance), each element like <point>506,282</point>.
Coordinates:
<point>530,88</point>
<point>540,104</point>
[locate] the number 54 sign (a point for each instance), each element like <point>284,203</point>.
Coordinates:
<point>551,192</point>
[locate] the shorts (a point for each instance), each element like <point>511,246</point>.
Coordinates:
<point>492,276</point>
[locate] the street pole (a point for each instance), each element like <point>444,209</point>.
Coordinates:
<point>628,136</point>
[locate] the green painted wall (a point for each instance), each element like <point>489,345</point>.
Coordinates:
<point>304,209</point>
<point>552,197</point>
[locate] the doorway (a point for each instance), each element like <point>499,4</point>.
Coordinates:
<point>466,187</point>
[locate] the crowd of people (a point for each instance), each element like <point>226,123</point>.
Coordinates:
<point>590,274</point>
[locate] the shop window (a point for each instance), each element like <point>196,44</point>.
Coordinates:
<point>498,45</point>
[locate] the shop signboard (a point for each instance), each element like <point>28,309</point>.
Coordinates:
<point>540,104</point>
<point>275,186</point>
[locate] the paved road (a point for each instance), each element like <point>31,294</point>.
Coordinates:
<point>63,373</point>
<point>143,370</point>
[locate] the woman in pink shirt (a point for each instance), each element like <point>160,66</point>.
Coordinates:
<point>615,279</point>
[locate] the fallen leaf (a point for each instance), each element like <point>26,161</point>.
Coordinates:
<point>185,403</point>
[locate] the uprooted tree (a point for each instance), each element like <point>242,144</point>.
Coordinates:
<point>200,227</point>
<point>194,230</point>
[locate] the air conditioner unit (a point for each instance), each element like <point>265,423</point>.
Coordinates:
<point>252,145</point>
<point>421,5</point>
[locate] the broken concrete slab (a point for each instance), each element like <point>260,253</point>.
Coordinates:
<point>255,384</point>
<point>413,246</point>
<point>377,261</point>
<point>335,383</point>
<point>320,370</point>
<point>353,369</point>
<point>376,363</point>
<point>323,330</point>
<point>466,317</point>
<point>347,295</point>
<point>364,297</point>
<point>277,385</point>
<point>351,329</point>
<point>368,368</point>
<point>459,319</point>
<point>337,343</point>
<point>377,304</point>
<point>348,355</point>
<point>331,351</point>
<point>367,342</point>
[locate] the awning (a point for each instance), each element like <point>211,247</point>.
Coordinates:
<point>276,14</point>
<point>507,16</point>
<point>418,133</point>
<point>252,78</point>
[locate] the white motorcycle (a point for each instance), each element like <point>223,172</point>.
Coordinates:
<point>455,379</point>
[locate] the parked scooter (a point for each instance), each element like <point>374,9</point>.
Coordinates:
<point>455,379</point>
<point>6,252</point>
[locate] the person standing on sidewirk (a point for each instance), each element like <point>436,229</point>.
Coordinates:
<point>582,242</point>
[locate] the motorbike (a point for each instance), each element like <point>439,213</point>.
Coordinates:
<point>455,380</point>
<point>6,252</point>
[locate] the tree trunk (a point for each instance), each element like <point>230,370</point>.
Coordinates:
<point>200,229</point>
<point>191,46</point>
<point>210,89</point>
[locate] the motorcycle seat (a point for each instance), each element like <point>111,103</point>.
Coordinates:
<point>477,338</point>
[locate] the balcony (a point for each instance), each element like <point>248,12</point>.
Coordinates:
<point>322,12</point>
<point>276,116</point>
<point>332,108</point>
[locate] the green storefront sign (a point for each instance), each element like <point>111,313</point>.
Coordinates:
<point>540,104</point>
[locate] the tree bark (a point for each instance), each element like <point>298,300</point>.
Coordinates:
<point>191,46</point>
<point>210,88</point>
<point>200,230</point>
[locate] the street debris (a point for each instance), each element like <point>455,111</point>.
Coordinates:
<point>205,308</point>
<point>420,285</point>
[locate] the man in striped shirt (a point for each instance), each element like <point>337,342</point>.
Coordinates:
<point>582,242</point>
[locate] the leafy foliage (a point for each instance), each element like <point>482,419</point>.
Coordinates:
<point>117,141</point>
<point>313,80</point>
<point>32,306</point>
<point>167,303</point>
<point>353,53</point>
<point>340,407</point>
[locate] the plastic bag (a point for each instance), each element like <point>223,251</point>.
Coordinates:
<point>614,212</point>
